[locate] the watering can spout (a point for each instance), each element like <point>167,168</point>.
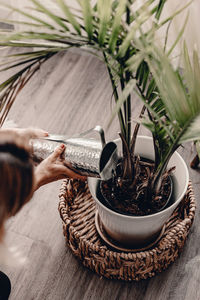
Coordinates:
<point>108,161</point>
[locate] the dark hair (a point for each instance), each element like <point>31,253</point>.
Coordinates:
<point>16,179</point>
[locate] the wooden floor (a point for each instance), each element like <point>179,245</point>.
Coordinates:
<point>70,94</point>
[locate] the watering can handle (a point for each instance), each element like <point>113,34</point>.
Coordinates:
<point>63,138</point>
<point>100,130</point>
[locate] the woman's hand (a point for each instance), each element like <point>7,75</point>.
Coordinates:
<point>54,168</point>
<point>22,136</point>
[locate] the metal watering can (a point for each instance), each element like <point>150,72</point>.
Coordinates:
<point>87,156</point>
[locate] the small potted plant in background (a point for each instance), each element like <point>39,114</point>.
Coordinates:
<point>116,33</point>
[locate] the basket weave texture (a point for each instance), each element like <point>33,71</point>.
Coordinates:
<point>77,210</point>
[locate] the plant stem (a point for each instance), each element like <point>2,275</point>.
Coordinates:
<point>125,111</point>
<point>195,162</point>
<point>134,136</point>
<point>115,93</point>
<point>127,167</point>
<point>127,78</point>
<point>161,168</point>
<point>137,126</point>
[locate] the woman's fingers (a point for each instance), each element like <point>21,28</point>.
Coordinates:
<point>58,155</point>
<point>33,133</point>
<point>65,171</point>
<point>28,133</point>
<point>22,136</point>
<point>38,133</point>
<point>58,152</point>
<point>62,166</point>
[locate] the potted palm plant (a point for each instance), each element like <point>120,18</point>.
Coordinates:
<point>116,32</point>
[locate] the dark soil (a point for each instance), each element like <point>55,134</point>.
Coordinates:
<point>137,199</point>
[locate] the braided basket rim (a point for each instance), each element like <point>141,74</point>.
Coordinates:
<point>77,211</point>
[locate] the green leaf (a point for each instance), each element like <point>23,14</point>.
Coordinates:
<point>177,12</point>
<point>192,133</point>
<point>156,116</point>
<point>134,62</point>
<point>175,97</point>
<point>151,88</point>
<point>87,16</point>
<point>25,61</point>
<point>145,78</point>
<point>138,18</point>
<point>131,36</point>
<point>47,12</point>
<point>117,24</point>
<point>179,36</point>
<point>29,16</point>
<point>104,14</point>
<point>197,144</point>
<point>123,97</point>
<point>160,8</point>
<point>70,17</point>
<point>22,23</point>
<point>180,100</point>
<point>30,45</point>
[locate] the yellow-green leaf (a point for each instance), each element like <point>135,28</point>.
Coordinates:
<point>71,18</point>
<point>87,16</point>
<point>123,97</point>
<point>50,14</point>
<point>116,24</point>
<point>104,14</point>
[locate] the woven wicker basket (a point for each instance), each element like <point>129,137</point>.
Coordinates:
<point>77,210</point>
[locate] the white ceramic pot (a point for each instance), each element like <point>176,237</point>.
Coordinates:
<point>139,231</point>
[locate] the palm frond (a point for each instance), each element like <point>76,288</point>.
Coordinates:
<point>47,12</point>
<point>132,34</point>
<point>116,24</point>
<point>29,16</point>
<point>70,17</point>
<point>125,93</point>
<point>31,24</point>
<point>192,133</point>
<point>181,101</point>
<point>179,36</point>
<point>87,16</point>
<point>104,14</point>
<point>160,8</point>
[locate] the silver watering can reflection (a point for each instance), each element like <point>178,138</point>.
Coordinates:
<point>87,156</point>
